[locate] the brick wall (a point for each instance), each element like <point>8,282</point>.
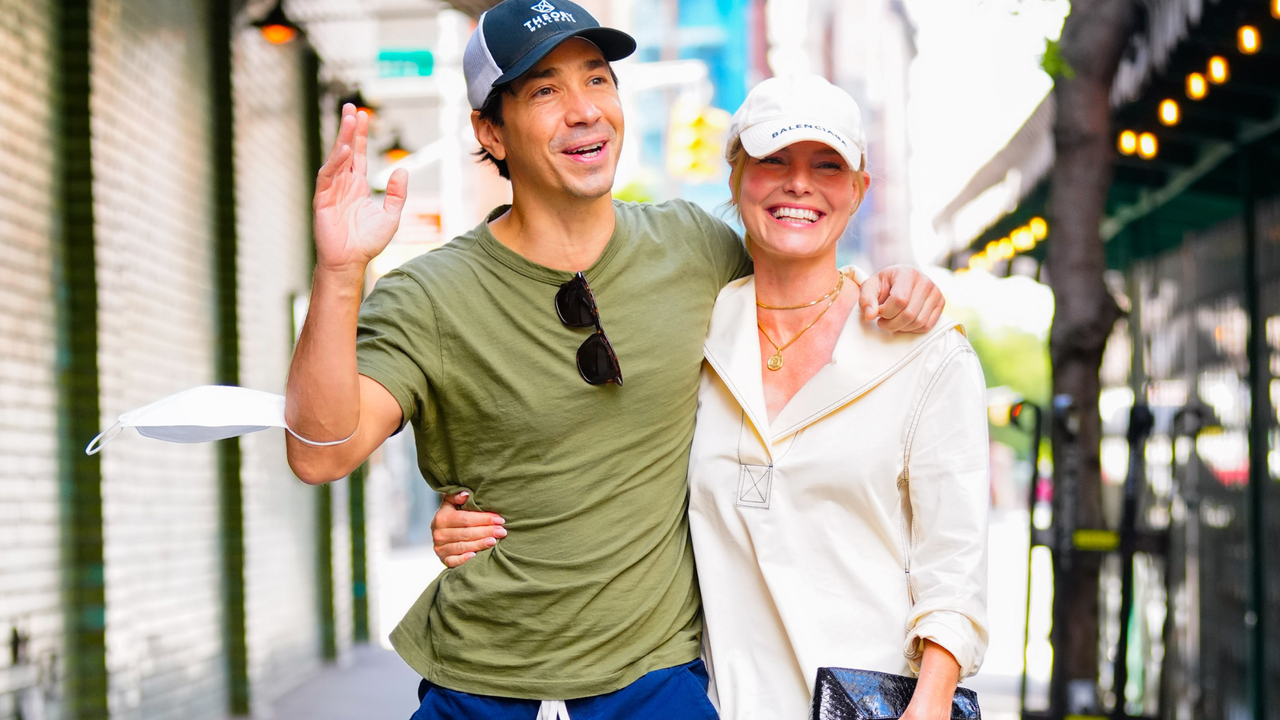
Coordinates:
<point>153,196</point>
<point>153,204</point>
<point>29,531</point>
<point>273,197</point>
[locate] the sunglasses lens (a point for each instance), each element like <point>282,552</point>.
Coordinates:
<point>574,305</point>
<point>597,361</point>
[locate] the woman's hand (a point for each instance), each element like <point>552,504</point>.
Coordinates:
<point>939,674</point>
<point>904,298</point>
<point>457,534</point>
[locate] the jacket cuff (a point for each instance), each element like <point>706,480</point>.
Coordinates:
<point>941,628</point>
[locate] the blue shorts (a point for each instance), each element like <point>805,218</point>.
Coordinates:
<point>677,693</point>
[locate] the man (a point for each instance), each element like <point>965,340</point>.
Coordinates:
<point>548,361</point>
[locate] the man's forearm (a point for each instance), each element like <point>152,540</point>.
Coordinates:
<point>323,392</point>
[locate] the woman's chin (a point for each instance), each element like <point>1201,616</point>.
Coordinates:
<point>801,245</point>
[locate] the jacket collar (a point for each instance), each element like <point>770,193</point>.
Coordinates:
<point>864,356</point>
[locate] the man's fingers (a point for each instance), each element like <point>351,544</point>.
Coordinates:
<point>869,297</point>
<point>361,144</point>
<point>397,189</point>
<point>336,163</point>
<point>901,321</point>
<point>934,316</point>
<point>898,299</point>
<point>346,124</point>
<point>340,153</point>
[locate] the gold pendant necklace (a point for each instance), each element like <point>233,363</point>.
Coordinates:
<point>834,290</point>
<point>775,362</point>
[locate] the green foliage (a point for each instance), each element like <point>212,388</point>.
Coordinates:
<point>1015,359</point>
<point>1054,63</point>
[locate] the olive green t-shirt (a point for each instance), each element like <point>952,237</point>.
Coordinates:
<point>594,586</point>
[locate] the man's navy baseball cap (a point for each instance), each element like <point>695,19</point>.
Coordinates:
<point>515,35</point>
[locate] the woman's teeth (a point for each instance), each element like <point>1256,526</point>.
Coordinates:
<point>588,151</point>
<point>791,213</point>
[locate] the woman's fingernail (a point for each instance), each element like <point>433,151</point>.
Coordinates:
<point>500,532</point>
<point>468,556</point>
<point>499,521</point>
<point>490,542</point>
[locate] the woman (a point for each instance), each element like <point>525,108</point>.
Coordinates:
<point>838,474</point>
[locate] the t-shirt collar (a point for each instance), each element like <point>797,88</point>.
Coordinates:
<point>542,273</point>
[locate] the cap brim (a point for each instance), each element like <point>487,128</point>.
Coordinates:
<point>770,136</point>
<point>613,44</point>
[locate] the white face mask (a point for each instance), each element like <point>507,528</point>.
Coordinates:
<point>203,414</point>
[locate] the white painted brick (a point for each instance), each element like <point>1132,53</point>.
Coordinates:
<point>273,201</point>
<point>29,533</point>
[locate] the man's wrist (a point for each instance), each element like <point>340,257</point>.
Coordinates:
<point>347,279</point>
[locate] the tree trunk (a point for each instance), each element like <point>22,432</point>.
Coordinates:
<point>1094,37</point>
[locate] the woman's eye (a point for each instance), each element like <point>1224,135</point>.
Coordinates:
<point>831,166</point>
<point>771,160</point>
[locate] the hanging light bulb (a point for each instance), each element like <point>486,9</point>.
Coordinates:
<point>1197,86</point>
<point>1039,228</point>
<point>1275,9</point>
<point>357,98</point>
<point>1169,112</point>
<point>1023,239</point>
<point>1249,40</point>
<point>1147,145</point>
<point>1128,142</point>
<point>396,152</point>
<point>276,27</point>
<point>1219,71</point>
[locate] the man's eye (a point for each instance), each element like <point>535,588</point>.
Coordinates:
<point>542,92</point>
<point>598,81</point>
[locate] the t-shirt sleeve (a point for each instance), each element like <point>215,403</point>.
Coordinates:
<point>722,246</point>
<point>398,342</point>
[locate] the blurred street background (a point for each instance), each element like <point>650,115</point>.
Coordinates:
<point>157,160</point>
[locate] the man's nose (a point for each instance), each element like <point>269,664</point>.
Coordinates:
<point>580,109</point>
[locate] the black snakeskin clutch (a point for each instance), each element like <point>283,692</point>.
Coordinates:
<point>843,694</point>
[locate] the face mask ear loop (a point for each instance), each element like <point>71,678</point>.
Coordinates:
<point>313,443</point>
<point>104,437</point>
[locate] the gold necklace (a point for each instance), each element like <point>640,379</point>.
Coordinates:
<point>775,362</point>
<point>834,290</point>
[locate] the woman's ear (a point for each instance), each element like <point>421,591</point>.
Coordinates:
<point>488,135</point>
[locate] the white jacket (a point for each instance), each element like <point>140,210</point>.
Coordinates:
<point>850,529</point>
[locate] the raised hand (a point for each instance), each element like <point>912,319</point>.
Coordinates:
<point>351,227</point>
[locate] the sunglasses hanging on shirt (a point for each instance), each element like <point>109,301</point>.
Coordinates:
<point>576,307</point>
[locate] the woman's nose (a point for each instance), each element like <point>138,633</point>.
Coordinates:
<point>799,181</point>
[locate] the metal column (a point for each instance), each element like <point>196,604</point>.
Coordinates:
<point>76,283</point>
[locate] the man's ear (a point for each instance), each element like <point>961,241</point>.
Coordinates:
<point>488,135</point>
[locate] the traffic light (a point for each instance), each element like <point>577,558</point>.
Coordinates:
<point>695,142</point>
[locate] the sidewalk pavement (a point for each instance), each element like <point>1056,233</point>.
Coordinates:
<point>374,684</point>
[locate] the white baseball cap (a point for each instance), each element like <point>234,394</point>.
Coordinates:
<point>785,110</point>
